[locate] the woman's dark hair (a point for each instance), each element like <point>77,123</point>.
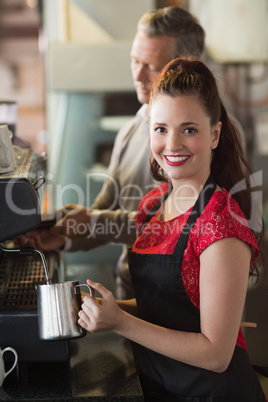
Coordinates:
<point>229,167</point>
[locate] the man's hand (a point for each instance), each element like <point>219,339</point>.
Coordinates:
<point>41,239</point>
<point>72,221</point>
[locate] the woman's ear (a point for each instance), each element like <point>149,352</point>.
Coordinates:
<point>216,131</point>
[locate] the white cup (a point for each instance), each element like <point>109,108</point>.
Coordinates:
<point>3,372</point>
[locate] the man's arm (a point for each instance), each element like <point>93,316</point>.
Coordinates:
<point>107,226</point>
<point>81,228</point>
<point>106,221</point>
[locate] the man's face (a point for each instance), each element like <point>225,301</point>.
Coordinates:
<point>148,57</point>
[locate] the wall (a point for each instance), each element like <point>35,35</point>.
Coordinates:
<point>21,69</point>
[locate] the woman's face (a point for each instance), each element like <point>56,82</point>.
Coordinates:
<point>182,138</point>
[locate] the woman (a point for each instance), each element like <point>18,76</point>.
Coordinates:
<point>191,262</point>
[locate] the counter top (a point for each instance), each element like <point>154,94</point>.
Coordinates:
<point>101,368</point>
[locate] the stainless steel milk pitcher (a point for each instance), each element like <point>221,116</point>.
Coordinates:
<point>58,305</point>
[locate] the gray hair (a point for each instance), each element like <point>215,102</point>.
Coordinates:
<point>178,23</point>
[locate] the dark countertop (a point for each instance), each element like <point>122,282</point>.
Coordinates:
<point>101,368</point>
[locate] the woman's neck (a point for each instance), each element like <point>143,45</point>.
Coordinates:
<point>182,197</point>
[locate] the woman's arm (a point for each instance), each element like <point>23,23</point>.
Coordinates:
<point>224,268</point>
<point>130,306</point>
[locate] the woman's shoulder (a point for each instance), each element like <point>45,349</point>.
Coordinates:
<point>224,204</point>
<point>222,207</point>
<point>222,218</point>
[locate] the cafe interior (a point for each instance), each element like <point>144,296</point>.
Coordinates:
<point>64,108</point>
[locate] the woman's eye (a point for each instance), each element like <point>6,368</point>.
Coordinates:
<point>159,130</point>
<point>190,130</point>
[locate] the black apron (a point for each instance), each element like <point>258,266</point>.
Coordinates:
<point>162,300</point>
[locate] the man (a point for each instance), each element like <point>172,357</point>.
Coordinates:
<point>162,35</point>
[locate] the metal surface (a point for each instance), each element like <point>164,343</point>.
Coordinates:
<point>58,306</point>
<point>19,274</point>
<point>21,270</point>
<point>20,207</point>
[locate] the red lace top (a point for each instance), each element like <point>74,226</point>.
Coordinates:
<point>221,218</point>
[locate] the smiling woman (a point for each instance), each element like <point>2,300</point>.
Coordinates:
<point>192,84</point>
<point>195,250</point>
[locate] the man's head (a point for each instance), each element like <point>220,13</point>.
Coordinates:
<point>162,35</point>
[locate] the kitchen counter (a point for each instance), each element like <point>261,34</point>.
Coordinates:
<point>101,368</point>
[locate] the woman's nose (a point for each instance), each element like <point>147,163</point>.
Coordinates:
<point>173,142</point>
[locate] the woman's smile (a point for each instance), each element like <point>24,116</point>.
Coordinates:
<point>176,160</point>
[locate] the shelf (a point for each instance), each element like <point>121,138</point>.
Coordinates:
<point>90,67</point>
<point>232,58</point>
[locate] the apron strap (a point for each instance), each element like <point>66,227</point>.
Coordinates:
<point>197,210</point>
<point>155,209</point>
<point>200,204</point>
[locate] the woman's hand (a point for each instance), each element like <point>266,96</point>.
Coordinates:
<point>100,316</point>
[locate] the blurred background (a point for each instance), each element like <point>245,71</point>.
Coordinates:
<point>66,66</point>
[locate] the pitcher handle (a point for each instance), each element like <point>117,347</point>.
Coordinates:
<point>85,284</point>
<point>90,291</point>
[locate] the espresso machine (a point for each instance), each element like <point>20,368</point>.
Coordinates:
<point>22,269</point>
